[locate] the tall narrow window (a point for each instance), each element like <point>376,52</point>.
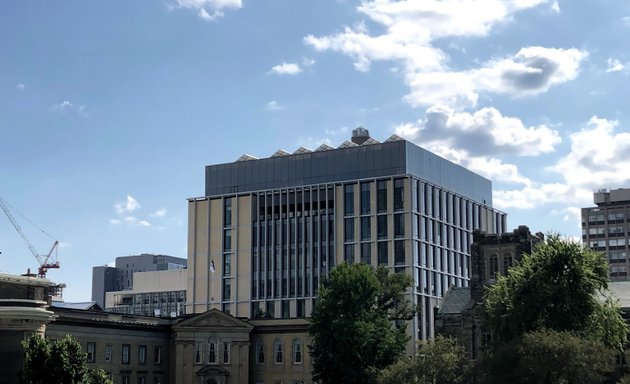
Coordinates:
<point>348,253</point>
<point>198,353</point>
<point>227,240</point>
<point>108,353</point>
<point>227,211</point>
<point>260,352</point>
<point>126,349</point>
<point>507,263</point>
<point>297,351</point>
<point>278,357</point>
<point>226,353</point>
<point>227,291</point>
<point>349,229</point>
<point>348,199</point>
<point>91,352</point>
<point>381,226</point>
<point>399,252</point>
<point>494,266</point>
<point>365,198</point>
<point>366,228</point>
<point>399,194</point>
<point>366,253</point>
<point>212,350</point>
<point>382,253</point>
<point>399,225</point>
<point>157,355</point>
<point>142,354</point>
<point>381,196</point>
<point>227,264</point>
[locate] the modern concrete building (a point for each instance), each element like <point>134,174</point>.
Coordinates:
<point>119,278</point>
<point>268,230</point>
<point>605,228</point>
<point>155,293</point>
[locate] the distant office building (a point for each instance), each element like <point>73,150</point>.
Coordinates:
<point>155,293</point>
<point>268,230</point>
<point>118,278</point>
<point>605,228</point>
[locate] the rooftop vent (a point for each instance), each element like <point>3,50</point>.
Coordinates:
<point>301,150</point>
<point>246,157</point>
<point>370,141</point>
<point>280,152</point>
<point>359,135</point>
<point>324,147</point>
<point>394,137</point>
<point>347,144</point>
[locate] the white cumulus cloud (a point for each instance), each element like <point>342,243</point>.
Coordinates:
<point>614,65</point>
<point>210,10</point>
<point>274,106</point>
<point>159,213</point>
<point>127,206</point>
<point>286,69</point>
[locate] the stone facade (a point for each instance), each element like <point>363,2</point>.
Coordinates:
<point>460,314</point>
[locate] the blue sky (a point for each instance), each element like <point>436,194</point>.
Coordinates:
<point>109,111</point>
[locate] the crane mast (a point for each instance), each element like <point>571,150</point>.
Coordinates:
<point>45,262</point>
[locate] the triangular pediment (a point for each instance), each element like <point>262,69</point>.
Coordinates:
<point>214,319</point>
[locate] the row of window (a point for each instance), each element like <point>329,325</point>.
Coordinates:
<point>381,197</point>
<point>297,350</point>
<point>613,216</point>
<point>215,352</point>
<point>125,353</point>
<point>610,243</point>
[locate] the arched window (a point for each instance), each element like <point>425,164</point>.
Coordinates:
<point>278,358</point>
<point>507,263</point>
<point>297,351</point>
<point>260,352</point>
<point>199,352</point>
<point>494,266</point>
<point>212,350</point>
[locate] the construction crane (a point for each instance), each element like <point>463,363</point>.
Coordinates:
<point>47,261</point>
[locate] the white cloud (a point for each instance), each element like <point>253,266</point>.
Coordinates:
<point>286,69</point>
<point>614,65</point>
<point>274,106</point>
<point>20,86</point>
<point>337,132</point>
<point>308,62</point>
<point>210,10</point>
<point>159,213</point>
<point>598,157</point>
<point>411,27</point>
<point>539,194</point>
<point>485,132</point>
<point>626,20</point>
<point>128,206</point>
<point>144,223</point>
<point>555,7</point>
<point>67,106</point>
<point>114,221</point>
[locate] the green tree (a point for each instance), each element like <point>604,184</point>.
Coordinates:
<point>561,286</point>
<point>60,362</point>
<point>552,357</point>
<point>440,361</point>
<point>358,324</point>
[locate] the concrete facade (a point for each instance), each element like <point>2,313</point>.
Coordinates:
<point>605,228</point>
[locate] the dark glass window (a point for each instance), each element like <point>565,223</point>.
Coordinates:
<point>366,228</point>
<point>399,225</point>
<point>348,253</point>
<point>227,264</point>
<point>227,291</point>
<point>126,351</point>
<point>227,211</point>
<point>399,252</point>
<point>227,240</point>
<point>399,194</point>
<point>381,226</point>
<point>382,253</point>
<point>366,253</point>
<point>381,196</point>
<point>142,354</point>
<point>349,230</point>
<point>365,198</point>
<point>348,199</point>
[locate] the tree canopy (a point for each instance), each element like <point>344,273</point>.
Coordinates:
<point>358,324</point>
<point>439,361</point>
<point>61,362</point>
<point>561,286</point>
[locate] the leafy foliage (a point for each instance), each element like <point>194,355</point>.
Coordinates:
<point>358,324</point>
<point>441,361</point>
<point>551,357</point>
<point>60,362</point>
<point>559,287</point>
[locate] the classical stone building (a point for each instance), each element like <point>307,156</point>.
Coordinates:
<point>460,313</point>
